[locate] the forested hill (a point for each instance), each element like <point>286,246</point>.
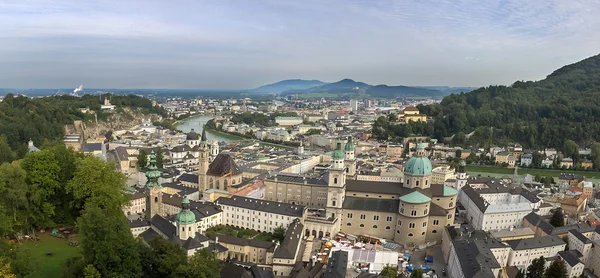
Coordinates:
<point>565,105</point>
<point>40,119</point>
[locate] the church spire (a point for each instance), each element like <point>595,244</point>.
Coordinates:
<point>152,174</point>
<point>203,136</point>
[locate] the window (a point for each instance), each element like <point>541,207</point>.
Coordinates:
<point>349,215</point>
<point>423,233</point>
<point>333,203</point>
<point>426,182</point>
<point>397,231</point>
<point>348,224</point>
<point>417,183</point>
<point>410,234</point>
<point>362,225</point>
<point>401,210</point>
<point>387,227</point>
<point>424,224</point>
<point>362,216</point>
<point>411,225</point>
<point>451,204</point>
<point>425,212</point>
<point>376,217</point>
<point>408,181</point>
<point>400,223</point>
<point>388,219</point>
<point>334,180</point>
<point>449,216</point>
<point>436,222</point>
<point>374,226</point>
<point>413,213</point>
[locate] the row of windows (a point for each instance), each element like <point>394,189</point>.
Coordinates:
<point>364,216</point>
<point>363,225</point>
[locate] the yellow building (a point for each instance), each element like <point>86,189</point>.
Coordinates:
<point>506,157</point>
<point>415,118</point>
<point>441,174</point>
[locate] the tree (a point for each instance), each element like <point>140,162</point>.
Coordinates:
<point>203,264</point>
<point>570,149</point>
<point>596,155</point>
<point>142,159</point>
<point>557,269</point>
<point>107,243</point>
<point>91,272</point>
<point>6,153</point>
<point>96,180</point>
<point>279,233</point>
<point>5,269</point>
<point>43,172</point>
<point>558,218</point>
<point>164,258</point>
<point>417,273</point>
<point>389,271</point>
<point>159,158</point>
<point>14,189</point>
<point>536,268</point>
<point>313,131</point>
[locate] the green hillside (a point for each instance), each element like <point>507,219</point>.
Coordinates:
<point>546,113</point>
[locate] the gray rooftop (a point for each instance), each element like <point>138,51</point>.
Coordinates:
<point>290,178</point>
<point>377,187</point>
<point>262,205</point>
<point>371,204</point>
<point>536,242</point>
<point>336,266</point>
<point>293,236</point>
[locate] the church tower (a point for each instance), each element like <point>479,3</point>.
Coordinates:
<point>350,159</point>
<point>336,183</point>
<point>214,150</point>
<point>203,150</point>
<point>186,221</point>
<point>153,190</point>
<point>461,175</point>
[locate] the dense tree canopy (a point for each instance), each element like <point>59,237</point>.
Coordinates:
<point>23,118</point>
<point>546,113</point>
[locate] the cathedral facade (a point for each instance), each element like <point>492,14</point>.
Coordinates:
<point>414,212</point>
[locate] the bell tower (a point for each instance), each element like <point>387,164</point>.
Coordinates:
<point>186,221</point>
<point>153,189</point>
<point>203,150</point>
<point>461,175</point>
<point>336,183</point>
<point>350,158</point>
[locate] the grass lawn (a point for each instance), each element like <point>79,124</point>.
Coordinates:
<point>543,172</point>
<point>49,266</point>
<point>233,231</point>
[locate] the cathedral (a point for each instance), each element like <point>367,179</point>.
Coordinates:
<point>411,212</point>
<point>216,171</point>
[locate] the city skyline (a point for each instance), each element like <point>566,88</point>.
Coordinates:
<point>239,45</point>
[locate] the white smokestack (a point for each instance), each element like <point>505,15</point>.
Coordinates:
<point>78,89</point>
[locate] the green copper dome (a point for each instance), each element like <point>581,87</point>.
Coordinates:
<point>418,165</point>
<point>185,216</point>
<point>350,145</point>
<point>338,154</point>
<point>152,174</point>
<point>415,197</point>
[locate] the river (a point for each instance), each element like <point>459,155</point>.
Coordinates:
<point>197,123</point>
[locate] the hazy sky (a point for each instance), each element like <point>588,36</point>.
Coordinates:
<point>243,44</point>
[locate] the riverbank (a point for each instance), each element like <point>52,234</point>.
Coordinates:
<point>223,134</point>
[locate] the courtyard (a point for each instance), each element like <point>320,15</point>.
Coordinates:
<point>49,265</point>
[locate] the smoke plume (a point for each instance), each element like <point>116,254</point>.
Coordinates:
<point>78,89</point>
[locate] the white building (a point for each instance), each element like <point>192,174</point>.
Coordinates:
<point>497,207</point>
<point>526,159</point>
<point>523,251</point>
<point>288,121</point>
<point>259,215</point>
<point>353,105</point>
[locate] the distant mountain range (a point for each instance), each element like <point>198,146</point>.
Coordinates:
<point>351,87</point>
